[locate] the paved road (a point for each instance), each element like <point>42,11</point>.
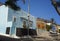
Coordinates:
<point>55,38</point>
<point>3,38</point>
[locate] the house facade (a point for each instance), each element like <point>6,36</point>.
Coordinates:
<point>17,19</point>
<point>3,18</point>
<point>45,25</point>
<point>40,23</point>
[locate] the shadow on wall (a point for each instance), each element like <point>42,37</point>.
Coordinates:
<point>23,32</point>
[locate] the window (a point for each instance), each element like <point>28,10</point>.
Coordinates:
<point>31,23</point>
<point>24,24</point>
<point>14,19</point>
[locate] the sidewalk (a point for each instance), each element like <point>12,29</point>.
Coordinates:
<point>45,34</point>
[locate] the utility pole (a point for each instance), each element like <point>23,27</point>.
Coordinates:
<point>28,16</point>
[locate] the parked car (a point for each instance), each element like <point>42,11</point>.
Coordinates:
<point>53,33</point>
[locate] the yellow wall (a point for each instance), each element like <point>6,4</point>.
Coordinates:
<point>40,25</point>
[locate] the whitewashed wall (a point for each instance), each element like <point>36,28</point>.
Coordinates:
<point>3,18</point>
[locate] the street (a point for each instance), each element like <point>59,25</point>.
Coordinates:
<point>54,38</point>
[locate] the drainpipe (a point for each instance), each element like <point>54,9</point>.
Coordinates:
<point>13,29</point>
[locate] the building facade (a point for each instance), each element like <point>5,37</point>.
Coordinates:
<point>40,24</point>
<point>45,25</point>
<point>17,19</point>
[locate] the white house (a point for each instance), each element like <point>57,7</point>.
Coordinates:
<point>14,19</point>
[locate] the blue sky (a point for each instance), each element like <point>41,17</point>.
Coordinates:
<point>38,8</point>
<point>43,9</point>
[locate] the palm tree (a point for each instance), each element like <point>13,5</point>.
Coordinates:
<point>52,20</point>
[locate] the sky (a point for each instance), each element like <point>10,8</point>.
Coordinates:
<point>40,8</point>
